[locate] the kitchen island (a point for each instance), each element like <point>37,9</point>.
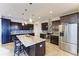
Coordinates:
<point>35,45</point>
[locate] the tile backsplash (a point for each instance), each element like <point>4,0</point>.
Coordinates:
<point>21,31</point>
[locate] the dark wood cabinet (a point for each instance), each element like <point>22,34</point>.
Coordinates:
<point>71,18</point>
<point>43,36</point>
<point>28,27</point>
<point>40,49</point>
<point>54,40</point>
<point>37,49</point>
<point>44,26</point>
<point>16,26</point>
<point>55,25</point>
<point>32,34</point>
<point>5,31</point>
<point>57,22</point>
<point>19,26</point>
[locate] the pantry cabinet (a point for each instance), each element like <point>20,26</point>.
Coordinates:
<point>5,30</point>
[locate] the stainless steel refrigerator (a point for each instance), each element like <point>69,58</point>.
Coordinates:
<point>68,38</point>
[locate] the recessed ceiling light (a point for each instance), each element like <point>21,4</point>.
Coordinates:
<point>25,9</point>
<point>50,12</point>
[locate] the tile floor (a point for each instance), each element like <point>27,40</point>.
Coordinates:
<point>54,50</point>
<point>51,50</point>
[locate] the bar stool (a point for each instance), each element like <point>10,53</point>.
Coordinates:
<point>19,47</point>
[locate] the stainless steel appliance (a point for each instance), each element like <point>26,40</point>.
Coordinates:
<point>68,38</point>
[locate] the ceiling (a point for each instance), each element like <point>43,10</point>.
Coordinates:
<point>36,11</point>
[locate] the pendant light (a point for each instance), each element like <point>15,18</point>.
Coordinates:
<point>30,15</point>
<point>30,20</point>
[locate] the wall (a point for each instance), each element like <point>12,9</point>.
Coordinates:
<point>37,29</point>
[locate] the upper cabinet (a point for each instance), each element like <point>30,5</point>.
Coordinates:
<point>71,18</point>
<point>16,26</point>
<point>28,27</point>
<point>44,26</point>
<point>19,26</point>
<point>57,22</point>
<point>55,25</point>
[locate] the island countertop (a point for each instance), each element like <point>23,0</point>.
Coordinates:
<point>29,40</point>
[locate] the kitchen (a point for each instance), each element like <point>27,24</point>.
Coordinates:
<point>26,31</point>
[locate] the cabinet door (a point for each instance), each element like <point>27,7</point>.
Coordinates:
<point>44,26</point>
<point>16,26</point>
<point>54,40</point>
<point>43,36</point>
<point>40,49</point>
<point>72,18</point>
<point>5,31</point>
<point>28,27</point>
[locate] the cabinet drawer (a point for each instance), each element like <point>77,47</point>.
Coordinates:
<point>69,47</point>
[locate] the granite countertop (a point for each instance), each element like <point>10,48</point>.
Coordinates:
<point>29,40</point>
<point>55,34</point>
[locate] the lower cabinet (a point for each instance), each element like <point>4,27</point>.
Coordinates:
<point>37,49</point>
<point>32,34</point>
<point>54,40</point>
<point>43,36</point>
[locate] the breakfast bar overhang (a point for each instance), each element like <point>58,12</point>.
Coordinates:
<point>35,45</point>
